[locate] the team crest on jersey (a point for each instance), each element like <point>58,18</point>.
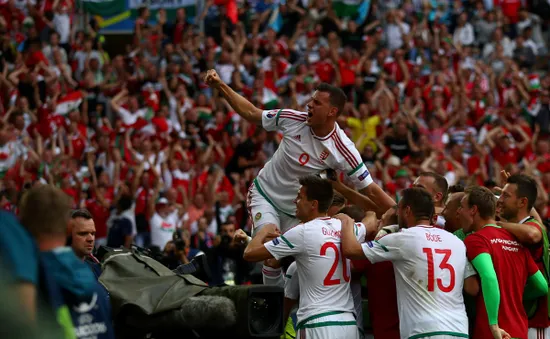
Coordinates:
<point>271,114</point>
<point>258,216</point>
<point>297,137</point>
<point>275,241</point>
<point>370,244</point>
<point>324,155</point>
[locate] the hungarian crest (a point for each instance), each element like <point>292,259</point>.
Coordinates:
<point>324,155</point>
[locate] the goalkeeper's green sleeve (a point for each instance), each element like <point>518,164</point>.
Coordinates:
<point>489,285</point>
<point>536,286</point>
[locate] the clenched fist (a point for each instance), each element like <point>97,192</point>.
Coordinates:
<point>240,237</point>
<point>212,79</point>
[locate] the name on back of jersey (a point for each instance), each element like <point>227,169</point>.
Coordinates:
<point>331,233</point>
<point>433,237</point>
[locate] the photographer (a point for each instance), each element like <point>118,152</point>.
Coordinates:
<point>178,251</point>
<point>226,258</point>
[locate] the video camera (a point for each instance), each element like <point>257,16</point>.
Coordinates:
<point>150,301</point>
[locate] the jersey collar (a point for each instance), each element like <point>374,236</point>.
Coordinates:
<point>328,135</point>
<point>522,221</point>
<point>426,226</point>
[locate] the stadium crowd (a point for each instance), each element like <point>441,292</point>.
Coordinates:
<point>160,159</point>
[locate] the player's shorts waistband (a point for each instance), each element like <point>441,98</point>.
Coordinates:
<point>331,318</point>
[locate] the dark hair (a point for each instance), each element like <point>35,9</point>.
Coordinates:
<point>354,212</point>
<point>81,213</point>
<point>318,189</point>
<point>338,199</point>
<point>337,97</point>
<point>420,201</point>
<point>526,188</point>
<point>489,183</point>
<point>125,202</point>
<point>440,182</point>
<point>458,188</point>
<point>484,199</point>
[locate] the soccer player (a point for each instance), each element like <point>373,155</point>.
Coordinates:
<point>326,306</point>
<point>429,265</point>
<point>516,201</point>
<point>503,265</point>
<point>450,211</point>
<point>437,186</point>
<point>312,142</point>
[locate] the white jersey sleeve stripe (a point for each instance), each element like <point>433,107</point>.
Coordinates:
<point>288,243</point>
<point>288,114</point>
<point>353,171</point>
<point>291,117</point>
<point>344,151</point>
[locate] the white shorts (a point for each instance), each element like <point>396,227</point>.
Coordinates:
<point>355,287</point>
<point>538,333</point>
<point>315,329</point>
<point>263,212</point>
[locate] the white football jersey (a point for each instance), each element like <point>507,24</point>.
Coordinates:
<point>322,270</point>
<point>301,153</point>
<point>430,268</point>
<point>292,283</point>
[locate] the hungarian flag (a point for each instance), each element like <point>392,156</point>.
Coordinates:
<point>534,82</point>
<point>68,103</point>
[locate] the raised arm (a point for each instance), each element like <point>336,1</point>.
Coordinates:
<point>242,106</point>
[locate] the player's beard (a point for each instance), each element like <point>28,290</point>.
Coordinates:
<point>508,213</point>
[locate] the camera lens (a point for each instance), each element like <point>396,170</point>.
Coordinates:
<point>264,315</point>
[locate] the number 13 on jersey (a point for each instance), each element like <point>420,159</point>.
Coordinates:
<point>442,256</point>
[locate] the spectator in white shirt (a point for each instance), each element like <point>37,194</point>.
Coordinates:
<point>396,30</point>
<point>48,50</point>
<point>464,32</point>
<point>499,38</point>
<point>62,21</point>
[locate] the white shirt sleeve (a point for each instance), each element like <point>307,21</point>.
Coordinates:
<point>350,162</point>
<point>290,243</point>
<point>387,248</point>
<point>292,285</point>
<point>469,270</point>
<point>272,276</point>
<point>360,231</point>
<point>282,119</point>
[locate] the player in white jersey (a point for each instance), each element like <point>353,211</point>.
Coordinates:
<point>430,268</point>
<point>312,142</point>
<point>326,306</point>
<point>437,186</point>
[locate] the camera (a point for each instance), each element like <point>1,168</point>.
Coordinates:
<point>225,240</point>
<point>150,301</point>
<point>179,242</point>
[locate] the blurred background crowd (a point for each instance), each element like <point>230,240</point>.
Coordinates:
<point>158,158</point>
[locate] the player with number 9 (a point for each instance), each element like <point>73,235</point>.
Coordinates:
<point>312,142</point>
<point>326,308</point>
<point>430,269</point>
